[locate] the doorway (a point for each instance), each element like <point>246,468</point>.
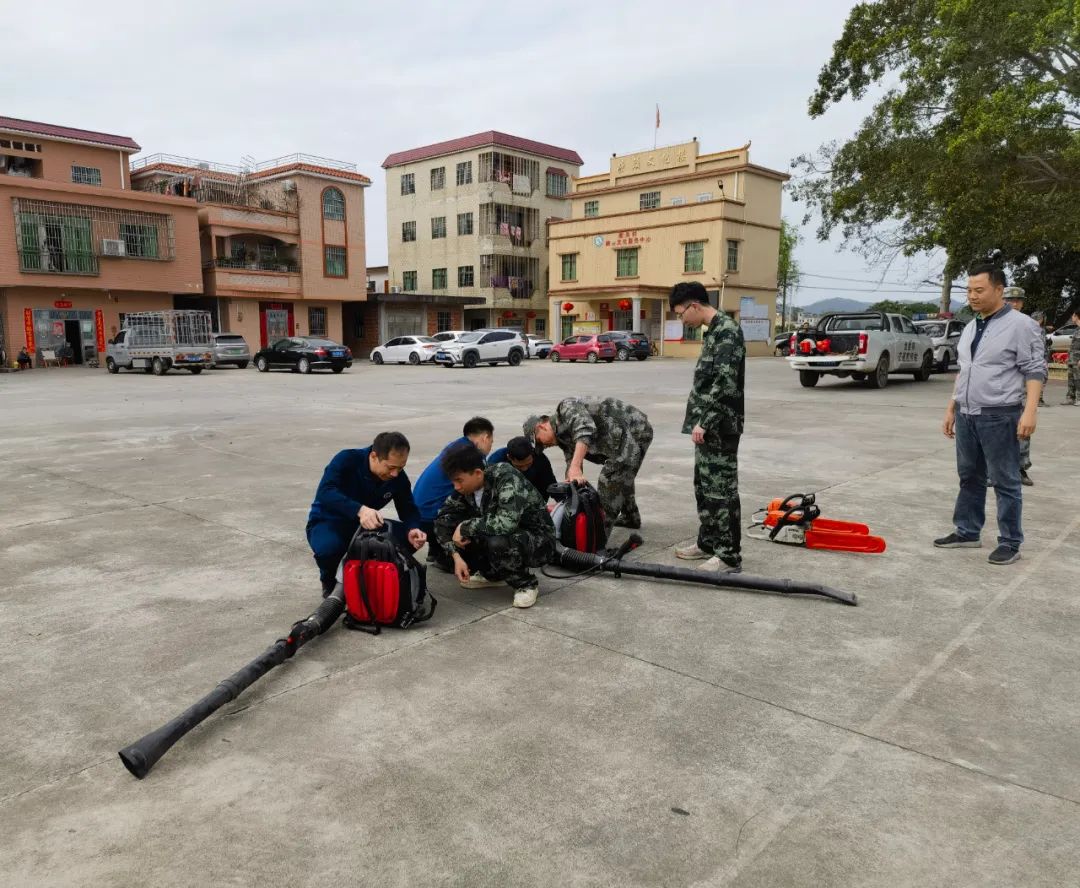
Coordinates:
<point>73,336</point>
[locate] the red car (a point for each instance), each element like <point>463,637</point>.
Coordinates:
<point>585,347</point>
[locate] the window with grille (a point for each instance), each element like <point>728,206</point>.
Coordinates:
<point>408,231</point>
<point>334,262</point>
<point>626,262</point>
<point>438,178</point>
<point>592,208</point>
<point>316,321</point>
<point>333,205</point>
<point>140,241</point>
<point>464,223</point>
<point>732,255</point>
<point>438,227</point>
<point>557,184</point>
<point>443,320</point>
<point>694,256</point>
<point>408,280</point>
<point>81,175</point>
<point>569,267</point>
<point>650,200</point>
<point>438,279</point>
<point>691,334</point>
<point>540,327</point>
<point>464,173</point>
<point>408,183</point>
<point>465,276</point>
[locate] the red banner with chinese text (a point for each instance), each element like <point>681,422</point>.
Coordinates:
<point>28,329</point>
<point>99,324</point>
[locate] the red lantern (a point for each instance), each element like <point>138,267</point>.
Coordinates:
<point>568,307</point>
<point>507,315</point>
<point>530,315</point>
<point>625,305</point>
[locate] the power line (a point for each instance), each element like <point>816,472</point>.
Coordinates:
<point>869,292</point>
<point>866,281</point>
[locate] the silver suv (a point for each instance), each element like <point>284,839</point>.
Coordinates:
<point>483,346</point>
<point>230,348</point>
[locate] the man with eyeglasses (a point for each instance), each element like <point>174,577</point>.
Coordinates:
<point>714,421</point>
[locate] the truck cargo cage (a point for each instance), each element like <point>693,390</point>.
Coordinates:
<point>169,328</point>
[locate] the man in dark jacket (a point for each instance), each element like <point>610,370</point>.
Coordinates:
<point>495,524</point>
<point>529,460</point>
<point>354,487</point>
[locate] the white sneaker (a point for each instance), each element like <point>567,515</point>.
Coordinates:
<point>479,581</point>
<point>717,566</point>
<point>526,597</point>
<point>690,552</point>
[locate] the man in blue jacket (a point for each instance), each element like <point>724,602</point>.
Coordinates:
<point>354,487</point>
<point>433,487</point>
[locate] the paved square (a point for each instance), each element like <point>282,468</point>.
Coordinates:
<point>621,732</point>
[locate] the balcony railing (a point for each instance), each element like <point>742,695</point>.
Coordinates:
<point>283,266</point>
<point>57,262</point>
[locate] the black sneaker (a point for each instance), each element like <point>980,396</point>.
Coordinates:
<point>1004,555</point>
<point>633,522</point>
<point>1025,479</point>
<point>955,541</point>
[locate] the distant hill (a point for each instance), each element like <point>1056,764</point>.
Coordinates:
<point>837,303</point>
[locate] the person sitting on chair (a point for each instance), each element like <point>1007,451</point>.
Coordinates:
<point>24,360</point>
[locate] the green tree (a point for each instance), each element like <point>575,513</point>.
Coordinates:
<point>975,149</point>
<point>788,274</point>
<point>907,308</point>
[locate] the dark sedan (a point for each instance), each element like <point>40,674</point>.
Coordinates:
<point>303,354</point>
<point>630,345</point>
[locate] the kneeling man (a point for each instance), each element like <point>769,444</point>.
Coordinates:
<point>495,524</point>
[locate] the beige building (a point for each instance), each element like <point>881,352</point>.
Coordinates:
<point>281,243</point>
<point>659,217</point>
<point>467,230</point>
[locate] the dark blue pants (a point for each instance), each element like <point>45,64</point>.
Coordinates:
<point>330,540</point>
<point>987,443</point>
<point>436,552</point>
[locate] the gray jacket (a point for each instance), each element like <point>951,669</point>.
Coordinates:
<point>1011,352</point>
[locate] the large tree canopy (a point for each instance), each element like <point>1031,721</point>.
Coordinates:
<point>974,145</point>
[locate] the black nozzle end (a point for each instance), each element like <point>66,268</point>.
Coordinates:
<point>135,761</point>
<point>635,540</point>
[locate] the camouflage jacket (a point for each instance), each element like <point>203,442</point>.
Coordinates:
<point>716,398</point>
<point>509,504</point>
<point>606,425</point>
<point>1074,350</point>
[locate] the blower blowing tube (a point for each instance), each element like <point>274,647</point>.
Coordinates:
<point>572,559</point>
<point>143,754</point>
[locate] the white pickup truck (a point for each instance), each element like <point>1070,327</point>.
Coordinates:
<point>867,346</point>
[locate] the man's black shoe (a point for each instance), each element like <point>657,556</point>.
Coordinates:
<point>1004,555</point>
<point>623,521</point>
<point>1025,480</point>
<point>955,541</point>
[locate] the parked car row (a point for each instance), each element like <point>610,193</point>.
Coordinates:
<point>615,345</point>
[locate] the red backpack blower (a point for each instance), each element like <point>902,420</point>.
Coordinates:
<point>578,517</point>
<point>384,586</point>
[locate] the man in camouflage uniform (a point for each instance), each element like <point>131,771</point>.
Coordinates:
<point>1073,391</point>
<point>1014,296</point>
<point>605,431</point>
<point>495,525</point>
<point>714,421</point>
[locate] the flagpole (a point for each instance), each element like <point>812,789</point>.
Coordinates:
<point>656,130</point>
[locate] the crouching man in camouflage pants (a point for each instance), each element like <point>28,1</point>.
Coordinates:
<point>601,430</point>
<point>714,421</point>
<point>495,524</point>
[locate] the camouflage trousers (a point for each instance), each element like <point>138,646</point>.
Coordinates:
<point>716,487</point>
<point>616,483</point>
<point>509,557</point>
<point>1073,390</point>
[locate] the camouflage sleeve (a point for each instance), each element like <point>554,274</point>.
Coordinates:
<point>452,513</point>
<point>573,415</point>
<point>723,380</point>
<point>509,499</point>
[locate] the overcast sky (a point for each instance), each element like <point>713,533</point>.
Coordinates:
<point>219,81</point>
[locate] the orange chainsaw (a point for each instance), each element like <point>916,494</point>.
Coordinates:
<point>797,520</point>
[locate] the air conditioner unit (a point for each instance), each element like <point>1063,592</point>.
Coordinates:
<point>111,247</point>
<point>678,201</point>
<point>395,289</point>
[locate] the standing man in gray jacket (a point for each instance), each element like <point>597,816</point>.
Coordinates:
<point>993,407</point>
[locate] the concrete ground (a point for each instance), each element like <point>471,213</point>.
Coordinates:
<point>621,732</point>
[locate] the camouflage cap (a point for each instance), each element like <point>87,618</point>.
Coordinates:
<point>529,426</point>
<point>1014,293</point>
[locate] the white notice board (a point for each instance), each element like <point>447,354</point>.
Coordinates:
<point>755,329</point>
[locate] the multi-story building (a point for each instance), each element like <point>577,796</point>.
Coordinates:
<point>79,247</point>
<point>662,216</point>
<point>467,219</point>
<point>281,243</point>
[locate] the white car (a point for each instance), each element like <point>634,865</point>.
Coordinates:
<point>448,335</point>
<point>539,347</point>
<point>1061,338</point>
<point>945,334</point>
<point>483,347</point>
<point>402,349</point>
